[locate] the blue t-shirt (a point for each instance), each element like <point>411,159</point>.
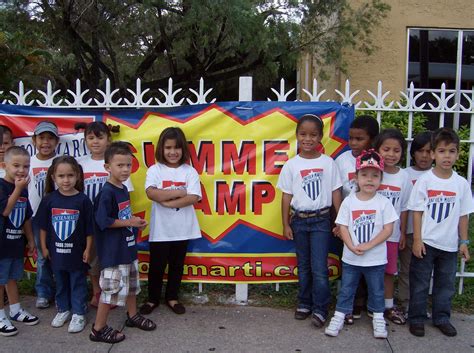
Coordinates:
<point>115,246</point>
<point>68,221</point>
<point>12,241</point>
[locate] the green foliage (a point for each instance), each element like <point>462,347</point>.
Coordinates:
<point>462,162</point>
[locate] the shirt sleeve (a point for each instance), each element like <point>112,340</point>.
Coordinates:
<point>407,188</point>
<point>285,180</point>
<point>389,214</point>
<point>104,210</point>
<point>88,217</point>
<point>3,198</point>
<point>336,176</point>
<point>343,216</point>
<point>153,179</point>
<point>193,183</point>
<point>42,215</point>
<point>467,204</point>
<point>417,199</point>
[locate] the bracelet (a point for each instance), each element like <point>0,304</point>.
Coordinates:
<point>464,241</point>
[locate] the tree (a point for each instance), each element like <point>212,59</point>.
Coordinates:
<point>188,39</point>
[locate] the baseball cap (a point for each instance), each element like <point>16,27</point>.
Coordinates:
<point>46,126</point>
<point>369,159</point>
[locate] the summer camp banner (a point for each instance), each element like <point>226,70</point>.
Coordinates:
<point>238,149</point>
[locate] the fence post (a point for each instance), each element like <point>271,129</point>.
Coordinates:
<point>245,94</point>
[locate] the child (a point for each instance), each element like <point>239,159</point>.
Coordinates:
<point>366,221</point>
<point>45,140</point>
<point>441,202</point>
<point>396,186</point>
<point>98,137</point>
<point>65,217</point>
<point>174,187</point>
<point>7,142</point>
<point>15,222</point>
<point>420,152</point>
<point>310,185</point>
<point>116,247</point>
<point>362,133</point>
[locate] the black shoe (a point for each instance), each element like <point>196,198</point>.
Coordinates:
<point>417,330</point>
<point>357,312</point>
<point>318,320</point>
<point>447,329</point>
<point>302,314</point>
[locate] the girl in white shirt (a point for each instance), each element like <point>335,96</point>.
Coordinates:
<point>174,187</point>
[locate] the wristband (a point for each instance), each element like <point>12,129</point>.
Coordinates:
<point>464,241</point>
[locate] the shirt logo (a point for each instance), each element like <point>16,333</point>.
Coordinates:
<point>390,192</point>
<point>363,223</point>
<point>312,182</point>
<point>440,204</point>
<point>93,183</point>
<point>39,179</point>
<point>125,212</point>
<point>173,185</point>
<point>351,179</point>
<point>18,214</point>
<point>64,222</point>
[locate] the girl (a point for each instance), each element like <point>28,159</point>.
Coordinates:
<point>420,152</point>
<point>396,187</point>
<point>310,185</point>
<point>97,136</point>
<point>66,239</point>
<point>174,187</point>
<point>366,221</point>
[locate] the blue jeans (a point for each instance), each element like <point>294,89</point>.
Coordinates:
<point>312,237</point>
<point>71,291</point>
<point>44,275</point>
<point>443,265</point>
<point>351,274</point>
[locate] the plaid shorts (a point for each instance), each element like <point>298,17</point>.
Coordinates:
<point>118,282</point>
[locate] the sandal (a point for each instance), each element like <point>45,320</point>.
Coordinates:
<point>141,322</point>
<point>394,315</point>
<point>148,308</point>
<point>349,319</point>
<point>107,335</point>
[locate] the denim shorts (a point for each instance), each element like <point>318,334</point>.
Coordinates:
<point>10,269</point>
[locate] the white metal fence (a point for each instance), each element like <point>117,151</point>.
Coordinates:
<point>445,103</point>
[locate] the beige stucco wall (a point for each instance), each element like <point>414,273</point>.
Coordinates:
<point>389,62</point>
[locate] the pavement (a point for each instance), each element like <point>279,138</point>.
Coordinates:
<point>206,328</point>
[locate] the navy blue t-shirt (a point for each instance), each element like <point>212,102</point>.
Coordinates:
<point>115,246</point>
<point>68,221</point>
<point>12,241</point>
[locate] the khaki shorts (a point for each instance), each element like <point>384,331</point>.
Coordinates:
<point>118,282</point>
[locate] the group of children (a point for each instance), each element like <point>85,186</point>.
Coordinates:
<point>416,216</point>
<point>78,214</point>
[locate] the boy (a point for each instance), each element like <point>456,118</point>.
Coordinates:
<point>15,222</point>
<point>45,140</point>
<point>441,201</point>
<point>116,247</point>
<point>5,144</point>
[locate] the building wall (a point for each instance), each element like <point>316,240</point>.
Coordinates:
<point>389,62</point>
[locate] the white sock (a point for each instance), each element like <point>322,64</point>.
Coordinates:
<point>339,314</point>
<point>389,303</point>
<point>378,315</point>
<point>14,309</point>
<point>2,314</point>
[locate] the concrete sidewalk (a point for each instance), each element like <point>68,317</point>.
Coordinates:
<point>233,329</point>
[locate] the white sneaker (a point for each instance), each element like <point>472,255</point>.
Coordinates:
<point>335,325</point>
<point>380,329</point>
<point>60,319</point>
<point>77,324</point>
<point>42,303</point>
<point>6,327</point>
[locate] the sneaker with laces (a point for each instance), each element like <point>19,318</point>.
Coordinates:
<point>25,317</point>
<point>335,325</point>
<point>77,324</point>
<point>6,328</point>
<point>60,319</point>
<point>42,303</point>
<point>380,330</point>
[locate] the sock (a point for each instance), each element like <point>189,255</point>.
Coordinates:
<point>14,309</point>
<point>339,314</point>
<point>389,303</point>
<point>2,314</point>
<point>378,315</point>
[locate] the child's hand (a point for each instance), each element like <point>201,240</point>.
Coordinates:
<point>336,231</point>
<point>86,256</point>
<point>22,182</point>
<point>403,242</point>
<point>363,247</point>
<point>464,252</point>
<point>288,233</point>
<point>45,253</point>
<point>138,222</point>
<point>31,248</point>
<point>356,250</point>
<point>418,249</point>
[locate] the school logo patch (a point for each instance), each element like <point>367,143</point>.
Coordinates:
<point>363,223</point>
<point>391,192</point>
<point>64,222</point>
<point>173,185</point>
<point>39,179</point>
<point>18,214</point>
<point>351,178</point>
<point>440,204</point>
<point>93,183</point>
<point>312,179</point>
<point>125,212</point>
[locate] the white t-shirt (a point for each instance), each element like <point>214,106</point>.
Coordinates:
<point>310,181</point>
<point>95,176</point>
<point>36,187</point>
<point>442,201</point>
<point>346,164</point>
<point>365,219</point>
<point>2,173</point>
<point>397,188</point>
<point>171,224</point>
<point>413,175</point>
